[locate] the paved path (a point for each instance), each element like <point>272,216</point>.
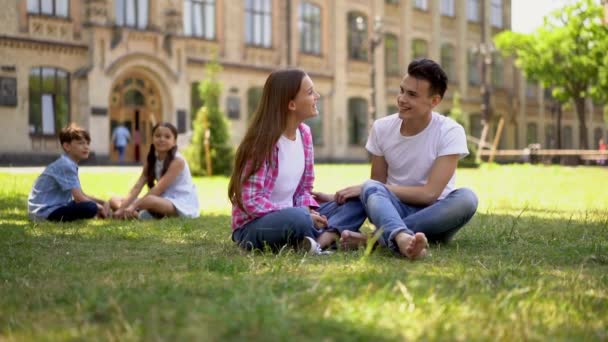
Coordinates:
<point>81,169</point>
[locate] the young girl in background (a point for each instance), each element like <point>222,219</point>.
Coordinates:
<point>270,187</point>
<point>171,191</point>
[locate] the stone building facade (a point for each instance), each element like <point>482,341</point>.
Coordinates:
<point>102,62</point>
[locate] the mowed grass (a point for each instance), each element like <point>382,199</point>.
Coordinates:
<point>531,265</point>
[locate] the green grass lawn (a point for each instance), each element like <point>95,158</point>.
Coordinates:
<point>531,265</point>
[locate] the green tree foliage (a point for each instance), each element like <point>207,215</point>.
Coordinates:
<point>210,116</point>
<point>568,54</point>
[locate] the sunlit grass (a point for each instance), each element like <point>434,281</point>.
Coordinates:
<point>531,265</point>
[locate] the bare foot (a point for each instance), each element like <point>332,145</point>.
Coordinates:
<point>352,240</point>
<point>412,247</point>
<point>327,238</point>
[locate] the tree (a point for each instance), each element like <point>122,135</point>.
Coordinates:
<point>567,53</point>
<point>211,118</point>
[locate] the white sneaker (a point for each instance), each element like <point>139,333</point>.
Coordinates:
<point>312,247</point>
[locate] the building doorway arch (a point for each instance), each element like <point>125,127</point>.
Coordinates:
<point>136,103</point>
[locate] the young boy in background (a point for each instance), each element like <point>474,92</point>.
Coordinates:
<point>57,194</point>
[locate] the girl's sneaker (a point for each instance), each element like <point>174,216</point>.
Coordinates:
<point>312,247</point>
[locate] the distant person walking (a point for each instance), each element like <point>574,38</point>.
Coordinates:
<point>120,138</point>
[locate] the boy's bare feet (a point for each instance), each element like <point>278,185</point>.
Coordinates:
<point>412,246</point>
<point>352,240</point>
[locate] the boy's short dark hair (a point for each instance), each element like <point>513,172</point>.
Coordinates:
<point>73,132</point>
<point>426,69</point>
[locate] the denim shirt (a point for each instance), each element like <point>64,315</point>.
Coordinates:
<point>53,188</point>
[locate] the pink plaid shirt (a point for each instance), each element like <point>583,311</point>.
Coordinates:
<point>257,189</point>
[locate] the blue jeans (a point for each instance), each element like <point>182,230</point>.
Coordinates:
<point>74,211</point>
<point>439,221</point>
<point>287,226</point>
<point>347,216</point>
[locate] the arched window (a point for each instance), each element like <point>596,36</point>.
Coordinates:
<point>419,49</point>
<point>447,61</point>
<point>357,121</point>
<point>199,18</point>
<point>49,100</point>
<point>132,13</point>
<point>357,36</point>
<point>134,97</point>
<point>56,8</point>
<point>391,55</point>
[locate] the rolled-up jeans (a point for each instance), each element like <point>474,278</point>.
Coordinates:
<point>439,221</point>
<point>285,227</point>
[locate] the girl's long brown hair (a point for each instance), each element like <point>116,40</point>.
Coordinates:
<point>268,123</point>
<point>150,176</point>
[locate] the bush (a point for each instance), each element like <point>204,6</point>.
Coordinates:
<point>212,118</point>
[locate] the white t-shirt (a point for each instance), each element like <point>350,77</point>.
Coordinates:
<point>291,170</point>
<point>410,158</point>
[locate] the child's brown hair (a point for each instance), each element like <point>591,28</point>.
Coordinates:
<point>73,132</point>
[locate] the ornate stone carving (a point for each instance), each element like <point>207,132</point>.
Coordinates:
<point>96,11</point>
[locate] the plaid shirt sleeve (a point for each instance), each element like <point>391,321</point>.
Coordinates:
<point>256,195</point>
<point>302,197</point>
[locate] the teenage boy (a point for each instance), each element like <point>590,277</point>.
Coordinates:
<point>411,196</point>
<point>56,194</point>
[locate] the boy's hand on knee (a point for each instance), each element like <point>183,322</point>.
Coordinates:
<point>346,193</point>
<point>320,221</point>
<point>322,197</point>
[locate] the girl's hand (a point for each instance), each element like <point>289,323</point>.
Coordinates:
<point>322,197</point>
<point>319,221</point>
<point>119,214</point>
<point>101,211</point>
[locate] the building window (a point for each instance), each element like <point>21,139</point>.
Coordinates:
<point>196,101</point>
<point>447,8</point>
<point>357,121</point>
<point>310,28</point>
<point>357,36</point>
<point>132,13</point>
<point>419,49</point>
<point>199,18</point>
<point>233,107</point>
<point>498,67</point>
<point>56,8</point>
<point>550,136</point>
<point>474,68</point>
<point>473,10</point>
<point>392,2</point>
<point>532,133</point>
<point>49,100</point>
<point>531,89</point>
<point>567,138</point>
<point>316,125</point>
<point>421,4</point>
<point>496,13</point>
<point>254,94</point>
<point>391,55</point>
<point>258,22</point>
<point>448,63</point>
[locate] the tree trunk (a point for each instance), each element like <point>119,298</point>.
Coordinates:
<point>582,126</point>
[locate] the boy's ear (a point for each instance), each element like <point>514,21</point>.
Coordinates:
<point>291,105</point>
<point>435,100</point>
<point>66,146</point>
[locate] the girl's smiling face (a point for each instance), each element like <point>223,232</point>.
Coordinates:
<point>163,139</point>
